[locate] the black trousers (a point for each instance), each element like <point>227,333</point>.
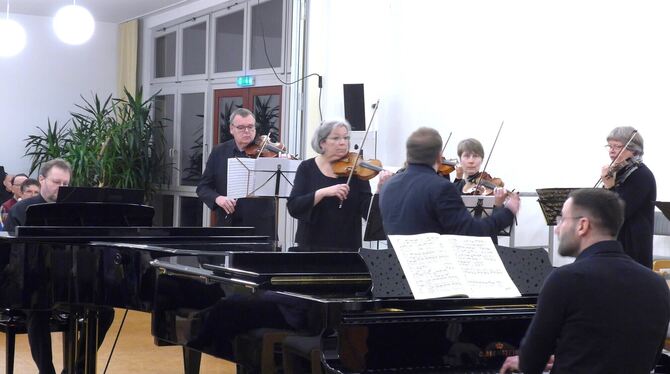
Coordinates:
<point>39,338</point>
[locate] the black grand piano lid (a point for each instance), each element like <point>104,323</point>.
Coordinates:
<point>304,268</point>
<point>89,214</point>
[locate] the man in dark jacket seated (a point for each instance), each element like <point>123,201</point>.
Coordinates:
<point>604,313</point>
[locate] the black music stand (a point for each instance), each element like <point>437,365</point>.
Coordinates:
<point>374,227</point>
<point>527,267</point>
<point>262,177</point>
<point>664,207</point>
<point>482,206</point>
<point>551,202</point>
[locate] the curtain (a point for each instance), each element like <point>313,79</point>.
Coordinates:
<point>127,57</point>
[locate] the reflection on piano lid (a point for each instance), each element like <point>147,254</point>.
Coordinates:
<point>355,332</point>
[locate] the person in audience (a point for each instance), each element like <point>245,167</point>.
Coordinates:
<point>6,190</point>
<point>53,174</point>
<point>29,188</point>
<point>329,210</point>
<point>212,189</point>
<point>17,180</point>
<point>632,180</point>
<point>419,201</point>
<point>604,313</point>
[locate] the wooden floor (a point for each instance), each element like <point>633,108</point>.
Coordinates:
<point>135,352</point>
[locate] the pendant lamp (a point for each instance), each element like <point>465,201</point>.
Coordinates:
<point>73,24</point>
<point>12,36</point>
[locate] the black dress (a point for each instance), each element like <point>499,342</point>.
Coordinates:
<point>636,185</point>
<point>325,226</point>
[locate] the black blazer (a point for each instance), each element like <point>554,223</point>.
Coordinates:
<point>419,201</point>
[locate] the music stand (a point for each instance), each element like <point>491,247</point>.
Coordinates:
<point>374,228</point>
<point>551,202</point>
<point>664,207</point>
<point>481,207</point>
<point>262,177</point>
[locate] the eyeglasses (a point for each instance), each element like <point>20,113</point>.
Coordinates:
<point>560,219</point>
<point>616,147</point>
<point>338,139</point>
<point>249,128</point>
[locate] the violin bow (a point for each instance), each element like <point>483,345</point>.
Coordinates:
<point>445,143</point>
<point>264,143</point>
<point>479,183</point>
<point>632,136</point>
<point>360,149</point>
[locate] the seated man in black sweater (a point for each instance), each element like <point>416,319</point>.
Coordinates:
<point>604,313</point>
<point>53,174</point>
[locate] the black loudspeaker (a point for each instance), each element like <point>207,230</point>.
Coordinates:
<point>354,106</point>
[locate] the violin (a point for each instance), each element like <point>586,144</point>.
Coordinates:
<point>481,183</point>
<point>363,170</point>
<point>263,147</point>
<point>446,166</point>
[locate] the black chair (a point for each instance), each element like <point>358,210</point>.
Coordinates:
<point>13,322</point>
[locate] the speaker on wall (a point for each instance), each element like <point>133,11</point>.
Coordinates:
<point>354,106</point>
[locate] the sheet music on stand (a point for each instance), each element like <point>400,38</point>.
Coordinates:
<point>551,202</point>
<point>261,176</point>
<point>664,207</point>
<point>482,206</point>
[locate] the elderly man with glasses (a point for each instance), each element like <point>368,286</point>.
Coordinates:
<point>212,189</point>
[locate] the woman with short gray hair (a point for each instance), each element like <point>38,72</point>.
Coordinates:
<point>635,184</point>
<point>328,210</point>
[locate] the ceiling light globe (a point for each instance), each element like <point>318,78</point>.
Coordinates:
<point>12,38</point>
<point>73,24</point>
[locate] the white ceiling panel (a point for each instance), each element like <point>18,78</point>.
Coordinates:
<point>114,11</point>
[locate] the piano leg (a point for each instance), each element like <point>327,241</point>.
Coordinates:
<point>90,342</point>
<point>70,344</point>
<point>191,361</point>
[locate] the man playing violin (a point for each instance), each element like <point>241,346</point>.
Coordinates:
<point>635,184</point>
<point>212,189</point>
<point>419,201</point>
<point>329,210</point>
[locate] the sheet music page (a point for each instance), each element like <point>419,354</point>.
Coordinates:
<point>239,176</point>
<point>447,265</point>
<point>481,265</point>
<point>431,270</point>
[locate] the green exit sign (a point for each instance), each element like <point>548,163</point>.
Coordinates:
<point>245,81</point>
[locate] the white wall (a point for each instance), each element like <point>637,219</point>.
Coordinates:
<point>560,74</point>
<point>45,81</point>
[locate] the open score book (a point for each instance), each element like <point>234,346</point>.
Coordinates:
<point>448,265</point>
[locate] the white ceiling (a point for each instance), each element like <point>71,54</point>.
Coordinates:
<point>114,11</point>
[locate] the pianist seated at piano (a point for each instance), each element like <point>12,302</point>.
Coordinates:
<point>420,201</point>
<point>604,313</point>
<point>53,174</point>
<point>329,210</point>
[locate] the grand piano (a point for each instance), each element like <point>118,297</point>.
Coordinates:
<point>356,308</point>
<point>83,256</point>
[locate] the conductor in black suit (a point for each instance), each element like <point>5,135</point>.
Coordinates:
<point>419,200</point>
<point>212,189</point>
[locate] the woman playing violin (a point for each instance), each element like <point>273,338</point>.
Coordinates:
<point>636,185</point>
<point>318,193</point>
<point>471,154</point>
